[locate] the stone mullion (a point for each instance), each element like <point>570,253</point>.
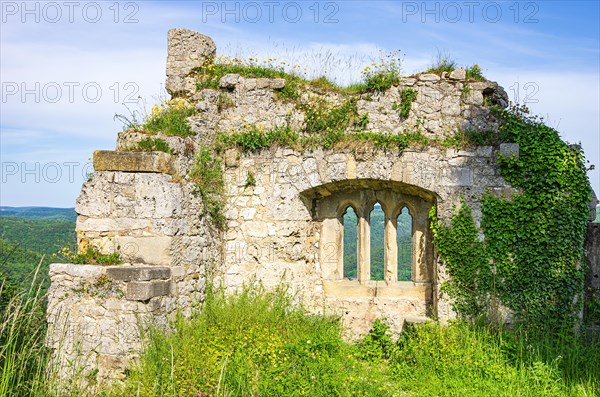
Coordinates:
<point>390,258</point>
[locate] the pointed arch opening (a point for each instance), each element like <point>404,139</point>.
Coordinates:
<point>377,233</point>
<point>404,227</point>
<point>350,247</point>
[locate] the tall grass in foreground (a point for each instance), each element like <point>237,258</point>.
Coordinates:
<point>255,343</point>
<point>474,360</point>
<point>23,356</point>
<point>259,343</point>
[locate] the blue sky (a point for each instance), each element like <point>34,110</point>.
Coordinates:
<point>67,67</point>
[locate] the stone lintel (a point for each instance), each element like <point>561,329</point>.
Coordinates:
<point>145,290</point>
<point>110,160</point>
<point>136,273</point>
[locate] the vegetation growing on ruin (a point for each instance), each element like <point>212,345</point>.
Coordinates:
<point>91,255</point>
<point>169,118</point>
<point>152,145</point>
<point>530,258</point>
<point>443,63</point>
<point>376,77</point>
<point>207,175</point>
<point>407,97</point>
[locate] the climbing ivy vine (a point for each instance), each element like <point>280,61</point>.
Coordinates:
<point>530,257</point>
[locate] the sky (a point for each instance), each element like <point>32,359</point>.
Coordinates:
<point>67,67</point>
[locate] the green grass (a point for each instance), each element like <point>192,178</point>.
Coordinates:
<point>254,343</point>
<point>23,356</point>
<point>260,343</point>
<point>169,118</point>
<point>468,360</point>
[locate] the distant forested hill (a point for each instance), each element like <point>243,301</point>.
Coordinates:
<point>65,214</point>
<point>33,233</point>
<point>40,235</point>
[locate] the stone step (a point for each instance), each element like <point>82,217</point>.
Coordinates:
<point>110,160</point>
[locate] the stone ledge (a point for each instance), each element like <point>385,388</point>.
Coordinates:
<point>145,290</point>
<point>353,289</point>
<point>135,273</point>
<point>110,160</point>
<point>73,270</point>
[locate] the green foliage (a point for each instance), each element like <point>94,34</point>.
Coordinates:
<point>153,145</point>
<point>253,138</point>
<point>534,240</point>
<point>323,117</point>
<point>211,71</point>
<point>470,283</point>
<point>470,360</point>
<point>224,101</point>
<point>249,344</point>
<point>474,73</point>
<point>442,63</point>
<point>92,256</point>
<point>170,118</point>
<point>469,138</point>
<point>24,242</point>
<point>250,179</point>
<point>377,344</point>
<point>407,96</point>
<point>207,175</point>
<point>43,236</point>
<point>381,76</point>
<point>23,355</point>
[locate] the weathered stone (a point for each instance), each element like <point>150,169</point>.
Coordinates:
<point>145,290</point>
<point>186,50</point>
<point>509,149</point>
<point>108,160</point>
<point>458,74</point>
<point>429,77</point>
<point>129,273</point>
<point>277,84</point>
<point>229,81</point>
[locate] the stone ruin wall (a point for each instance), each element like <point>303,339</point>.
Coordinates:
<point>142,205</point>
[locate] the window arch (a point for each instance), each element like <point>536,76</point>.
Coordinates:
<point>404,244</point>
<point>352,216</point>
<point>377,247</point>
<point>350,241</point>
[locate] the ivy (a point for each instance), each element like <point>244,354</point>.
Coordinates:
<point>530,259</point>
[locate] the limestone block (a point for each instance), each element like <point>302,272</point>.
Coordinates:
<point>458,74</point>
<point>509,149</point>
<point>151,250</point>
<point>186,50</point>
<point>80,271</point>
<point>429,77</point>
<point>138,273</point>
<point>108,160</point>
<point>229,81</point>
<point>145,290</point>
<point>457,176</point>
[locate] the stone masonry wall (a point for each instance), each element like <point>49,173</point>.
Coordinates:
<point>144,206</point>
